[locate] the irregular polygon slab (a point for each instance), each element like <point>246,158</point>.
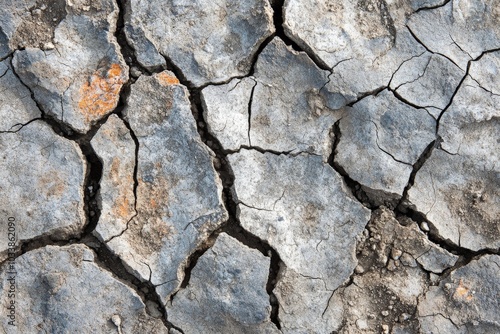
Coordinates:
<point>458,186</point>
<point>300,206</point>
<point>226,110</point>
<point>467,300</point>
<point>364,42</point>
<point>292,106</point>
<point>16,106</point>
<point>381,139</point>
<point>226,292</point>
<point>56,289</point>
<point>42,184</point>
<point>178,192</point>
<point>460,30</point>
<point>289,103</point>
<point>79,79</point>
<point>209,41</point>
<point>304,304</point>
<point>428,81</point>
<point>115,147</point>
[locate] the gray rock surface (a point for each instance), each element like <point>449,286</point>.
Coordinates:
<point>16,106</point>
<point>460,30</point>
<point>226,110</point>
<point>64,290</point>
<point>381,139</point>
<point>78,79</point>
<point>41,185</point>
<point>427,81</point>
<point>466,301</point>
<point>178,193</point>
<point>363,42</point>
<point>115,147</point>
<point>458,186</point>
<point>301,207</point>
<point>226,292</point>
<point>306,304</point>
<point>209,41</point>
<point>288,101</point>
<point>351,184</point>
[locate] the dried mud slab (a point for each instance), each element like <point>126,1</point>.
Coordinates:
<point>56,287</point>
<point>427,81</point>
<point>76,77</point>
<point>16,106</point>
<point>458,186</point>
<point>460,30</point>
<point>42,184</point>
<point>209,41</point>
<point>362,42</point>
<point>115,146</point>
<point>300,206</point>
<point>466,301</point>
<point>286,106</point>
<point>178,192</point>
<point>226,292</point>
<point>381,139</point>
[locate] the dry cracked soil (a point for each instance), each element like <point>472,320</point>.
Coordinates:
<point>252,166</point>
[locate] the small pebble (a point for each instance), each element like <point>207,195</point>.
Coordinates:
<point>424,226</point>
<point>385,329</point>
<point>359,269</point>
<point>385,313</point>
<point>396,253</point>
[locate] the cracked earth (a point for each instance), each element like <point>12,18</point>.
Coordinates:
<point>261,166</point>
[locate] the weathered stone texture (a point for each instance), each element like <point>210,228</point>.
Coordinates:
<point>226,292</point>
<point>41,184</point>
<point>78,79</point>
<point>209,41</point>
<point>178,192</point>
<point>64,290</point>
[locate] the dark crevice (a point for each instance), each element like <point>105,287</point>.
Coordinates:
<point>416,167</point>
<point>232,226</point>
<point>112,263</point>
<point>453,96</point>
<point>405,101</point>
<point>425,46</point>
<point>126,49</point>
<point>433,7</point>
<point>261,150</point>
<point>249,108</point>
<point>355,187</point>
<point>465,255</point>
<point>278,19</point>
<point>366,94</point>
<point>469,63</point>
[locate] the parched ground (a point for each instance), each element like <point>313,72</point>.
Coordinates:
<point>257,166</point>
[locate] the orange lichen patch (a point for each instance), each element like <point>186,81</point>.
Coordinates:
<point>166,79</point>
<point>122,207</point>
<point>100,94</point>
<point>463,292</point>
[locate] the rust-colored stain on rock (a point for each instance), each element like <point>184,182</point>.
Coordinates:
<point>100,94</point>
<point>463,292</point>
<point>166,79</point>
